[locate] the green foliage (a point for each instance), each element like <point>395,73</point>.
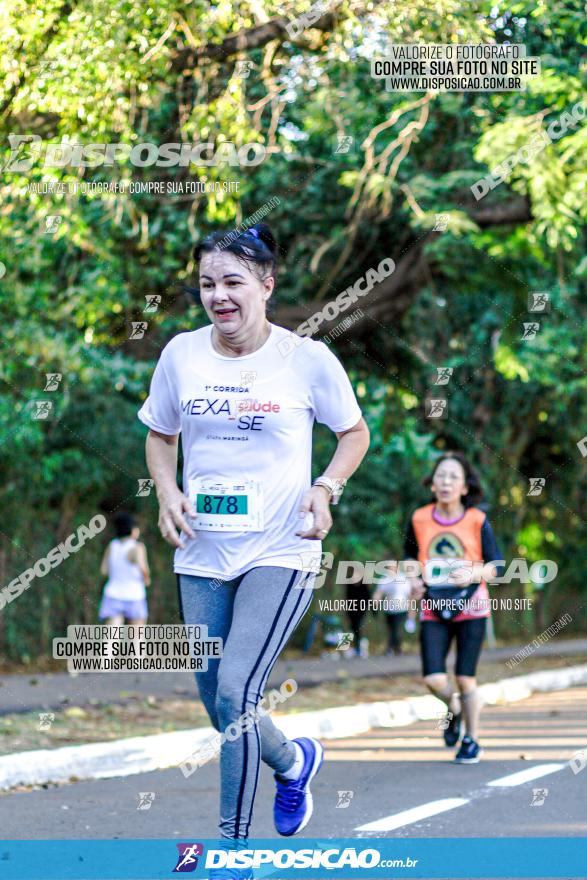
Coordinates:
<point>129,73</point>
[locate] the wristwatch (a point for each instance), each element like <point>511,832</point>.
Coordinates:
<point>334,487</point>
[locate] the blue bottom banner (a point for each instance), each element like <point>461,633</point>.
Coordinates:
<point>505,857</point>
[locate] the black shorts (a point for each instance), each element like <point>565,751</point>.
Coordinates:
<point>436,637</point>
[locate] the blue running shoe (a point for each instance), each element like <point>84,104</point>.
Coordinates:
<point>469,752</point>
<point>293,799</point>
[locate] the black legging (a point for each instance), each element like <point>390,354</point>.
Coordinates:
<point>395,623</point>
<point>359,595</point>
<point>435,640</point>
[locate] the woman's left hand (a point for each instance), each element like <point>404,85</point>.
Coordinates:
<point>462,575</point>
<point>417,588</point>
<point>317,502</point>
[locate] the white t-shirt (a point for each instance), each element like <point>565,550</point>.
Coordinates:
<point>125,578</point>
<point>243,419</point>
<point>396,595</point>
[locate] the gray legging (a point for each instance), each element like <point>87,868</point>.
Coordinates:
<point>254,614</point>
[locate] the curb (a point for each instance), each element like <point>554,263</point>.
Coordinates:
<point>141,754</point>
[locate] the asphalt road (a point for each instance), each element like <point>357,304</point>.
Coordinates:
<point>394,783</point>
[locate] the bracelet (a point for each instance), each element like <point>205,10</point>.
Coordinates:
<point>334,487</point>
<point>324,485</point>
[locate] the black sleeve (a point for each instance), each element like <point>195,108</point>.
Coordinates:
<point>410,542</point>
<point>489,547</point>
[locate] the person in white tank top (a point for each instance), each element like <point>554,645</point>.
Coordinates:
<point>126,565</point>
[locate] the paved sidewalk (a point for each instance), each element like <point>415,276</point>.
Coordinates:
<point>22,693</point>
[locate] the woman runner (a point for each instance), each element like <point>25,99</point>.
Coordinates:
<point>125,563</point>
<point>395,596</point>
<point>357,595</point>
<point>454,533</point>
<point>244,394</point>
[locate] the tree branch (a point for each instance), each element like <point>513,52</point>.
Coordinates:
<point>384,295</point>
<point>252,38</point>
<point>389,300</point>
<point>518,210</point>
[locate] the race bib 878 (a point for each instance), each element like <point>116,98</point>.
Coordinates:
<point>225,506</point>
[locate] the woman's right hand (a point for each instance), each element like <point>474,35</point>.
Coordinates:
<point>417,588</point>
<point>172,507</point>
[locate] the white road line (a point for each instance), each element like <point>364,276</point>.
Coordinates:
<point>527,775</point>
<point>433,808</point>
<point>416,814</point>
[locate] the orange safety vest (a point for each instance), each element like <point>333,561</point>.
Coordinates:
<point>462,540</point>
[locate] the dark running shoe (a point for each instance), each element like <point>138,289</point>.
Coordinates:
<point>452,733</point>
<point>469,752</point>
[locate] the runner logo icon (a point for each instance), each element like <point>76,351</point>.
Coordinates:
<point>187,860</point>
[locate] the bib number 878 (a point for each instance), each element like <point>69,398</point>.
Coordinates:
<point>219,504</point>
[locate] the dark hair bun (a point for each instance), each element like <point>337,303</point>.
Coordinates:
<point>266,236</point>
<point>255,245</point>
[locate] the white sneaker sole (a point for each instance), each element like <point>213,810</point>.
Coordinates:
<point>318,758</point>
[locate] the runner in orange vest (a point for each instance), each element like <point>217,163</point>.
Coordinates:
<point>447,538</point>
